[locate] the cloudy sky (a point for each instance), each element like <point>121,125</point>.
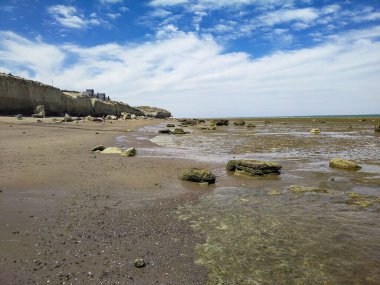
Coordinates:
<point>203,58</point>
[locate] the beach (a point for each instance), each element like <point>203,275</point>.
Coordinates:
<point>70,216</point>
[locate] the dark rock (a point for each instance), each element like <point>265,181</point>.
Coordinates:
<point>170,126</point>
<point>239,123</point>
<point>220,122</point>
<point>98,147</point>
<point>166,131</point>
<point>197,175</point>
<point>253,167</point>
<point>140,263</point>
<point>251,126</point>
<point>377,128</point>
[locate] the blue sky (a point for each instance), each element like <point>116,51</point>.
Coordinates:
<point>203,58</point>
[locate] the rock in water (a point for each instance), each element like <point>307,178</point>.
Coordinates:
<point>166,131</point>
<point>197,175</point>
<point>112,150</point>
<point>129,152</point>
<point>98,147</point>
<point>315,131</point>
<point>253,167</point>
<point>344,164</point>
<point>178,131</point>
<point>377,128</point>
<point>170,126</point>
<point>140,263</point>
<point>67,118</point>
<point>239,123</point>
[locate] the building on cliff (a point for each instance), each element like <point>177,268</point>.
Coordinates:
<point>90,93</point>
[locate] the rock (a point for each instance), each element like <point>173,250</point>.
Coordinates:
<point>112,150</point>
<point>166,131</point>
<point>361,200</point>
<point>39,121</point>
<point>67,118</point>
<point>39,112</point>
<point>111,117</point>
<point>239,123</point>
<point>220,122</point>
<point>133,117</point>
<point>197,175</point>
<point>154,112</point>
<point>170,126</point>
<point>253,167</point>
<point>92,119</point>
<point>129,152</point>
<point>126,115</point>
<point>251,126</point>
<point>19,117</point>
<point>315,131</point>
<point>140,263</point>
<point>303,189</point>
<point>98,147</point>
<point>268,122</point>
<point>343,164</point>
<point>377,128</point>
<point>178,131</point>
<point>188,122</point>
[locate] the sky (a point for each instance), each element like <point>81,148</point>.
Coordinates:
<point>202,58</point>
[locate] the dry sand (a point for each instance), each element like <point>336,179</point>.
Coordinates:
<point>69,216</point>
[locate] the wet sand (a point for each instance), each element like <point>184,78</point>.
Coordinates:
<point>69,216</point>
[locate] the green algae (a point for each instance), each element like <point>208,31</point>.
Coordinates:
<point>304,189</point>
<point>362,201</point>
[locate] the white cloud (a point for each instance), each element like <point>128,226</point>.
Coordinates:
<point>167,2</point>
<point>111,1</point>
<point>305,15</point>
<point>113,16</point>
<point>68,16</point>
<point>194,76</point>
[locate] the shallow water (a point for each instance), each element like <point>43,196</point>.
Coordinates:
<point>257,230</point>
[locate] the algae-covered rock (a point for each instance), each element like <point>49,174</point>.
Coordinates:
<point>165,131</point>
<point>220,122</point>
<point>253,167</point>
<point>112,150</point>
<point>303,189</point>
<point>178,131</point>
<point>343,164</point>
<point>98,148</point>
<point>129,152</point>
<point>197,175</point>
<point>361,200</point>
<point>315,131</point>
<point>239,123</point>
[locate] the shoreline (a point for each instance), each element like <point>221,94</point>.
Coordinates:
<point>55,192</point>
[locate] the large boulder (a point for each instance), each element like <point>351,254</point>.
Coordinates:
<point>253,167</point>
<point>154,112</point>
<point>343,164</point>
<point>39,112</point>
<point>197,175</point>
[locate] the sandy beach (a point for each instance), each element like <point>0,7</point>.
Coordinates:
<point>69,216</point>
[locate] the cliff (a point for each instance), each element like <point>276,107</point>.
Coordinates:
<point>19,95</point>
<point>154,112</point>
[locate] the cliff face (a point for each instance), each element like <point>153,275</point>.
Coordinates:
<point>154,112</point>
<point>18,95</point>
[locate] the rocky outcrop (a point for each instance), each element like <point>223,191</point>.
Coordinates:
<point>253,167</point>
<point>154,112</point>
<point>19,95</point>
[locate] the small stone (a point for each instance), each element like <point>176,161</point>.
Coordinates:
<point>139,263</point>
<point>98,147</point>
<point>239,123</point>
<point>315,131</point>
